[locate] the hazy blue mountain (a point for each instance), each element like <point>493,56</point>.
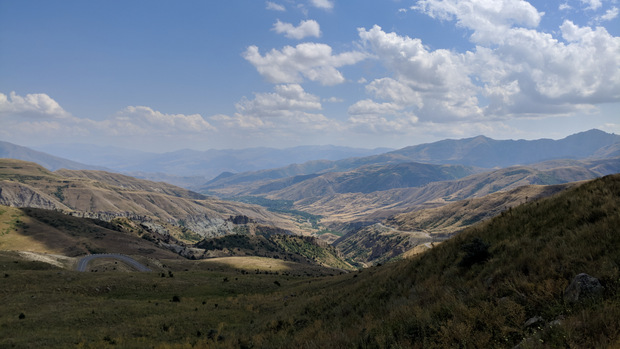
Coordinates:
<point>478,151</point>
<point>486,152</point>
<point>209,163</point>
<point>52,163</point>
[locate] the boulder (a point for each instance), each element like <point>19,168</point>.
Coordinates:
<point>535,321</point>
<point>582,286</point>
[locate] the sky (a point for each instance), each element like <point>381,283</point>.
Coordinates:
<point>166,75</point>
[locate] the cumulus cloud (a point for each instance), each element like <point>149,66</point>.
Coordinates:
<point>393,90</point>
<point>304,29</point>
<point>289,110</point>
<point>312,61</point>
<point>489,19</point>
<point>38,116</point>
<point>286,99</point>
<point>144,120</point>
<point>275,7</point>
<point>322,4</point>
<point>38,105</point>
<point>514,69</point>
<point>436,81</point>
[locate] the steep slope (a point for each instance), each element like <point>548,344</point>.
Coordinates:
<point>45,231</point>
<point>106,196</point>
<point>50,232</point>
<point>498,284</point>
<point>413,232</point>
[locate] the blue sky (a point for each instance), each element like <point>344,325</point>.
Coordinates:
<point>165,75</point>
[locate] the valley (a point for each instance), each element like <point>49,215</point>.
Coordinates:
<point>524,262</point>
<point>294,248</point>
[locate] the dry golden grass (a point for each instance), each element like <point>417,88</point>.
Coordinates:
<point>18,232</point>
<point>252,263</point>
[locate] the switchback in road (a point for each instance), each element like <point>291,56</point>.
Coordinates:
<point>83,263</point>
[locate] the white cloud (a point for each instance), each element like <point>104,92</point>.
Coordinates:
<point>287,111</point>
<point>38,105</point>
<point>310,60</point>
<point>393,90</point>
<point>609,15</point>
<point>286,99</point>
<point>333,100</point>
<point>370,107</point>
<point>592,4</point>
<point>275,7</point>
<point>520,71</point>
<point>564,6</point>
<point>304,29</point>
<point>39,117</point>
<point>144,120</point>
<point>323,4</point>
<point>489,19</point>
<point>372,123</point>
<point>436,80</point>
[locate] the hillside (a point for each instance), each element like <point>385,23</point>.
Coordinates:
<point>416,231</point>
<point>365,179</point>
<point>339,210</point>
<point>106,196</point>
<point>45,231</point>
<point>503,283</point>
<point>49,232</point>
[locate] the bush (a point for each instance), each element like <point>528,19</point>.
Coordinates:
<point>475,252</point>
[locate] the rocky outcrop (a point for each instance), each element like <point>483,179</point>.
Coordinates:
<point>21,195</point>
<point>583,286</point>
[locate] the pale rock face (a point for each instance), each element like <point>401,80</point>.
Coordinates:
<point>20,195</point>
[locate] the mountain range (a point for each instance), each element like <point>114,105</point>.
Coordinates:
<point>212,169</point>
<point>207,164</point>
<point>482,152</point>
<point>357,197</point>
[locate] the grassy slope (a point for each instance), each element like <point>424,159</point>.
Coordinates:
<point>400,234</point>
<point>428,301</point>
<point>349,207</point>
<point>44,231</point>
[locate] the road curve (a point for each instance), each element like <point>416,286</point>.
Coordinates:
<point>83,263</point>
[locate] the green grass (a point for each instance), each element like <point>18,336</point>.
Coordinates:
<point>282,206</point>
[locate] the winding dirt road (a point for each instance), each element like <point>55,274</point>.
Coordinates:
<point>83,263</point>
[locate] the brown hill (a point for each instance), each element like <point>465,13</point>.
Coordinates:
<point>45,231</point>
<point>106,196</point>
<point>339,209</point>
<point>413,232</point>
